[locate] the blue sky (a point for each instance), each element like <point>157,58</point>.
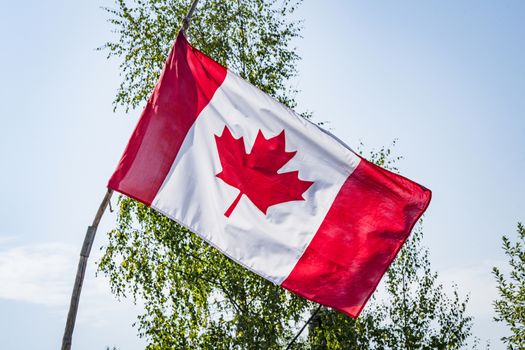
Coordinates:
<point>445,78</point>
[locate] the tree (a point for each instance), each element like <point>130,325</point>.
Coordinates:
<point>194,297</point>
<point>510,307</point>
<point>253,38</point>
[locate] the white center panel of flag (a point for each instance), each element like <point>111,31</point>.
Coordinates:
<point>269,244</point>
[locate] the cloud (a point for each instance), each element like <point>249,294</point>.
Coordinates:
<point>37,273</point>
<point>44,274</point>
<point>6,239</point>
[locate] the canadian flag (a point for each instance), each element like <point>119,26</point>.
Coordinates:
<point>266,187</point>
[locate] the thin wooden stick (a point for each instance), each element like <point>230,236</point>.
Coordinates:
<point>81,271</point>
<point>186,20</point>
<point>304,326</point>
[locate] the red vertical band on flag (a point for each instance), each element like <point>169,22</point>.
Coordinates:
<point>367,224</point>
<point>186,85</point>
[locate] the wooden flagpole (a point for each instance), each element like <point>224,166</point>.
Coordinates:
<point>81,271</point>
<point>186,20</point>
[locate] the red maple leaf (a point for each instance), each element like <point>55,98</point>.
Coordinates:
<point>255,174</point>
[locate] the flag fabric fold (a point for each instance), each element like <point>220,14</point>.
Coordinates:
<point>266,187</point>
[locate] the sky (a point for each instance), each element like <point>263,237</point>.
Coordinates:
<point>445,78</point>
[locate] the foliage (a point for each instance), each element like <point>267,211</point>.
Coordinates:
<point>510,307</point>
<point>382,157</point>
<point>250,37</point>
